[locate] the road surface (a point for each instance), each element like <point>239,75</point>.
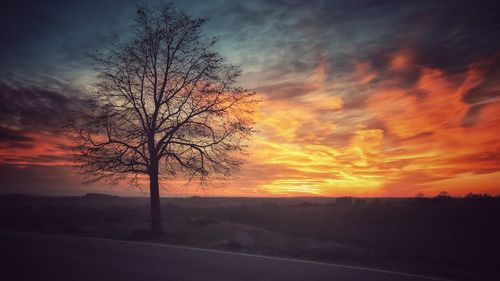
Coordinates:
<point>30,256</point>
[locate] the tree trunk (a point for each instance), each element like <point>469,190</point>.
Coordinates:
<point>156,227</point>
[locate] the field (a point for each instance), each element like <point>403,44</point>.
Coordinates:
<point>447,237</point>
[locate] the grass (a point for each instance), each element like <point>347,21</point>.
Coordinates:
<point>445,237</point>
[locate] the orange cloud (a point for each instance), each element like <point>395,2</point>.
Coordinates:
<point>427,130</point>
<point>42,149</point>
<point>294,151</point>
<point>419,141</point>
<point>402,138</point>
<point>365,72</point>
<point>401,60</point>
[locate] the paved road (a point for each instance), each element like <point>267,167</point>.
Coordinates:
<point>29,256</point>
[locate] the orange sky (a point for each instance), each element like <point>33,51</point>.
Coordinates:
<point>397,142</point>
<point>392,99</point>
<point>419,143</point>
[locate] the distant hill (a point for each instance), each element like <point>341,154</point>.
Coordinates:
<point>15,196</point>
<point>24,197</point>
<point>99,196</point>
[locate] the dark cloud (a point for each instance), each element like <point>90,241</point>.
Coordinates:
<point>51,37</point>
<point>29,111</point>
<point>422,135</point>
<point>8,135</point>
<point>280,39</point>
<point>490,88</point>
<point>37,160</point>
<point>458,33</point>
<point>33,109</point>
<point>286,90</point>
<point>275,37</point>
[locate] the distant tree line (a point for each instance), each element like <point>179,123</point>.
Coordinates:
<point>442,198</point>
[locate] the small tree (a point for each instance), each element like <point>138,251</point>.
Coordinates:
<point>166,105</point>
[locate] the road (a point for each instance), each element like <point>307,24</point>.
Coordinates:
<point>30,256</point>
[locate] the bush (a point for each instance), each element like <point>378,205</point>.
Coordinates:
<point>233,245</point>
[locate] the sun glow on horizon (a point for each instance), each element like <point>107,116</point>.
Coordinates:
<point>401,141</point>
<point>417,144</point>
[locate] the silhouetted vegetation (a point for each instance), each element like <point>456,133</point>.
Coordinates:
<point>442,236</point>
<point>166,105</point>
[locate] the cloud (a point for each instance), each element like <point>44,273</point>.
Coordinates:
<point>403,137</point>
<point>51,38</point>
<point>32,108</point>
<point>359,97</point>
<point>8,135</point>
<point>428,129</point>
<point>31,124</point>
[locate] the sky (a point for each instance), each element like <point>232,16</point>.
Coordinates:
<point>359,98</point>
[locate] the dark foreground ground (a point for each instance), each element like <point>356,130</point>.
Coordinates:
<point>52,257</point>
<point>443,237</point>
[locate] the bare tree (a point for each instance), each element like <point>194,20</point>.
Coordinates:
<point>166,105</point>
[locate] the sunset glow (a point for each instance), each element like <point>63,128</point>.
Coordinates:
<point>342,116</point>
<point>420,143</point>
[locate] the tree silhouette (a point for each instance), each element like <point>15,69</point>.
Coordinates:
<point>166,105</point>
